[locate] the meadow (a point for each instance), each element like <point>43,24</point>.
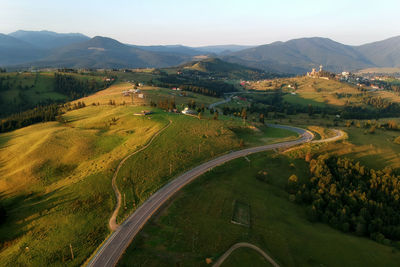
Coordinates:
<point>376,150</point>
<point>56,185</point>
<point>56,176</point>
<point>196,224</point>
<point>187,143</point>
<point>151,93</point>
<point>26,90</point>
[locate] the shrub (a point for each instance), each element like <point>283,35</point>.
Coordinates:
<point>397,140</point>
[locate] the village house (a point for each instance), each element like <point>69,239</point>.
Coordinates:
<point>188,111</point>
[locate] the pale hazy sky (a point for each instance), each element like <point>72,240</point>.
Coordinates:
<point>207,22</point>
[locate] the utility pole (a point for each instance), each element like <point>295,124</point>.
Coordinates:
<point>170,168</point>
<point>124,201</point>
<point>72,253</point>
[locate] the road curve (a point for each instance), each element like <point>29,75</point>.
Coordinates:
<point>339,134</point>
<point>112,249</point>
<point>113,220</point>
<point>226,100</point>
<point>244,245</point>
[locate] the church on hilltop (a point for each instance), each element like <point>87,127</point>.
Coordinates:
<point>314,73</point>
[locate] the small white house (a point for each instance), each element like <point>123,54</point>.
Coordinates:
<point>188,111</point>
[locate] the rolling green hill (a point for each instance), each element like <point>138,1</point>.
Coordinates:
<point>218,68</point>
<point>23,91</point>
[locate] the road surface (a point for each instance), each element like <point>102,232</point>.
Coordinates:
<point>339,134</point>
<point>112,249</point>
<point>244,245</point>
<point>226,100</point>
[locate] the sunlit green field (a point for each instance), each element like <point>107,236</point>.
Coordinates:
<point>30,89</point>
<point>196,224</point>
<point>55,183</point>
<point>56,177</point>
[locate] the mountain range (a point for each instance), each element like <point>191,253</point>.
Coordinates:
<point>23,49</point>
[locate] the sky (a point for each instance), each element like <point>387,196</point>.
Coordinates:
<point>207,22</point>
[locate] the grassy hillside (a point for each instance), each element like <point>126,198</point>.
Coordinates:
<point>55,180</point>
<point>312,91</point>
<point>197,224</point>
<point>376,149</point>
<point>184,145</point>
<point>56,185</point>
<point>22,91</point>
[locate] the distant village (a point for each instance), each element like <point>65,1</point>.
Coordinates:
<point>367,81</point>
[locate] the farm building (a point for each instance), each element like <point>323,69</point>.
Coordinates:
<point>188,111</point>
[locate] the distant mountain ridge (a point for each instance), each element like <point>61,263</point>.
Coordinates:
<point>384,53</point>
<point>14,51</point>
<point>300,55</point>
<point>48,39</point>
<point>49,49</point>
<point>104,52</point>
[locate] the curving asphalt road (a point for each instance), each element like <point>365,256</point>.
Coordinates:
<point>244,245</point>
<point>226,100</point>
<point>339,134</point>
<point>112,249</point>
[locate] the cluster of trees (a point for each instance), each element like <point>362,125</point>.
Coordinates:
<point>379,103</point>
<point>351,197</point>
<point>3,214</point>
<point>5,83</point>
<point>77,105</point>
<point>76,88</point>
<point>386,85</point>
<point>274,102</point>
<point>372,125</point>
<point>166,104</point>
<point>35,115</point>
<point>192,104</point>
<point>202,86</point>
<point>38,114</point>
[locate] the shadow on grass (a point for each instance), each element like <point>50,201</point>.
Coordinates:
<point>22,210</point>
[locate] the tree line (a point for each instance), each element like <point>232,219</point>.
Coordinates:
<point>351,197</point>
<point>32,116</point>
<point>275,103</point>
<point>202,86</point>
<point>76,88</point>
<point>38,114</point>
